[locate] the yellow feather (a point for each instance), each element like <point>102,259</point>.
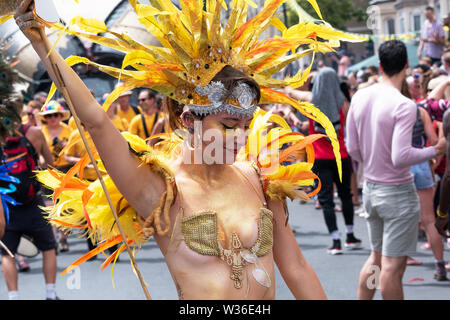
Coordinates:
<point>316,7</point>
<point>89,24</point>
<point>5,18</point>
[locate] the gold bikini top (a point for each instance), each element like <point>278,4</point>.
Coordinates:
<point>201,234</point>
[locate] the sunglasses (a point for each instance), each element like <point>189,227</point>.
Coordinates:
<point>142,99</point>
<point>52,115</point>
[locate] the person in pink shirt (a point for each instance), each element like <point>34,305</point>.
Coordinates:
<point>378,135</point>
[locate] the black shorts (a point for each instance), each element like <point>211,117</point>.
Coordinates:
<point>28,220</point>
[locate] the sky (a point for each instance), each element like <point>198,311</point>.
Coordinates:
<point>98,9</point>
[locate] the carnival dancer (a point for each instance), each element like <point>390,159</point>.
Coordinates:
<point>214,203</point>
<point>442,220</point>
<point>22,145</point>
<point>57,134</point>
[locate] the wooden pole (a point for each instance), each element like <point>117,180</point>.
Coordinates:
<point>6,249</point>
<point>62,87</point>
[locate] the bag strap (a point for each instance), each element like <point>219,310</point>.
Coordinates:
<point>24,128</point>
<point>136,110</point>
<point>155,120</point>
<point>31,150</point>
<point>144,125</point>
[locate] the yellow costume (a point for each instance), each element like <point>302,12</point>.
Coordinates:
<point>72,125</point>
<point>24,119</point>
<point>64,136</point>
<point>137,127</point>
<point>75,148</point>
<point>195,46</point>
<point>121,124</point>
<point>129,114</point>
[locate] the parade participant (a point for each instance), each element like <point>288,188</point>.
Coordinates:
<point>23,144</point>
<point>432,37</point>
<point>57,135</point>
<point>442,219</point>
<point>379,131</point>
<point>31,117</point>
<point>438,108</point>
<point>56,132</point>
<point>143,125</point>
<point>120,123</point>
<point>423,131</point>
<point>220,224</point>
<point>125,110</point>
<point>333,103</point>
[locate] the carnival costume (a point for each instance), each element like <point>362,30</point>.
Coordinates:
<point>9,118</point>
<point>195,47</point>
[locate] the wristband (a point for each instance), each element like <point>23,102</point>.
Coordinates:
<point>442,216</point>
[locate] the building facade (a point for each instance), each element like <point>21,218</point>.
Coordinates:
<point>388,17</point>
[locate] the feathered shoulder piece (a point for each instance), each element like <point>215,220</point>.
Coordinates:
<point>81,205</point>
<point>283,158</point>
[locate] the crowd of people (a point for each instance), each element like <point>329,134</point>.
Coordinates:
<point>52,132</point>
<point>390,123</point>
<point>393,149</point>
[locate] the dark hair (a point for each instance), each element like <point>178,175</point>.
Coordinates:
<point>446,57</point>
<point>426,78</point>
<point>365,77</point>
<point>372,69</point>
<point>345,88</point>
<point>63,102</point>
<point>422,66</point>
<point>228,76</point>
<point>393,57</point>
<point>405,89</point>
<point>429,8</point>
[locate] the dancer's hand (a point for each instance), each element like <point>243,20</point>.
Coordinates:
<point>28,23</point>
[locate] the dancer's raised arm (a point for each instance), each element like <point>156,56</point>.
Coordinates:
<point>112,147</point>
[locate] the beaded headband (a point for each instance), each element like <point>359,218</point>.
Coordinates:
<point>241,102</point>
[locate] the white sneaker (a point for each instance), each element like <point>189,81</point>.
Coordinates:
<point>360,211</point>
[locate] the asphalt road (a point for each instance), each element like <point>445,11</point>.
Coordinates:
<point>338,274</point>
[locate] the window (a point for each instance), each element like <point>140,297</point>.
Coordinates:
<point>391,26</point>
<point>416,23</point>
<point>402,25</point>
<point>437,6</point>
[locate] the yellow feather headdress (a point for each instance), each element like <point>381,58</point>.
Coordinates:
<point>195,46</point>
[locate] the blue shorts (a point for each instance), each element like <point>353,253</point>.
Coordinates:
<point>423,176</point>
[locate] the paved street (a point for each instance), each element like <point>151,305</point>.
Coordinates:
<point>338,274</point>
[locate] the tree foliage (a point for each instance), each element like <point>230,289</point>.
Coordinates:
<point>336,12</point>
